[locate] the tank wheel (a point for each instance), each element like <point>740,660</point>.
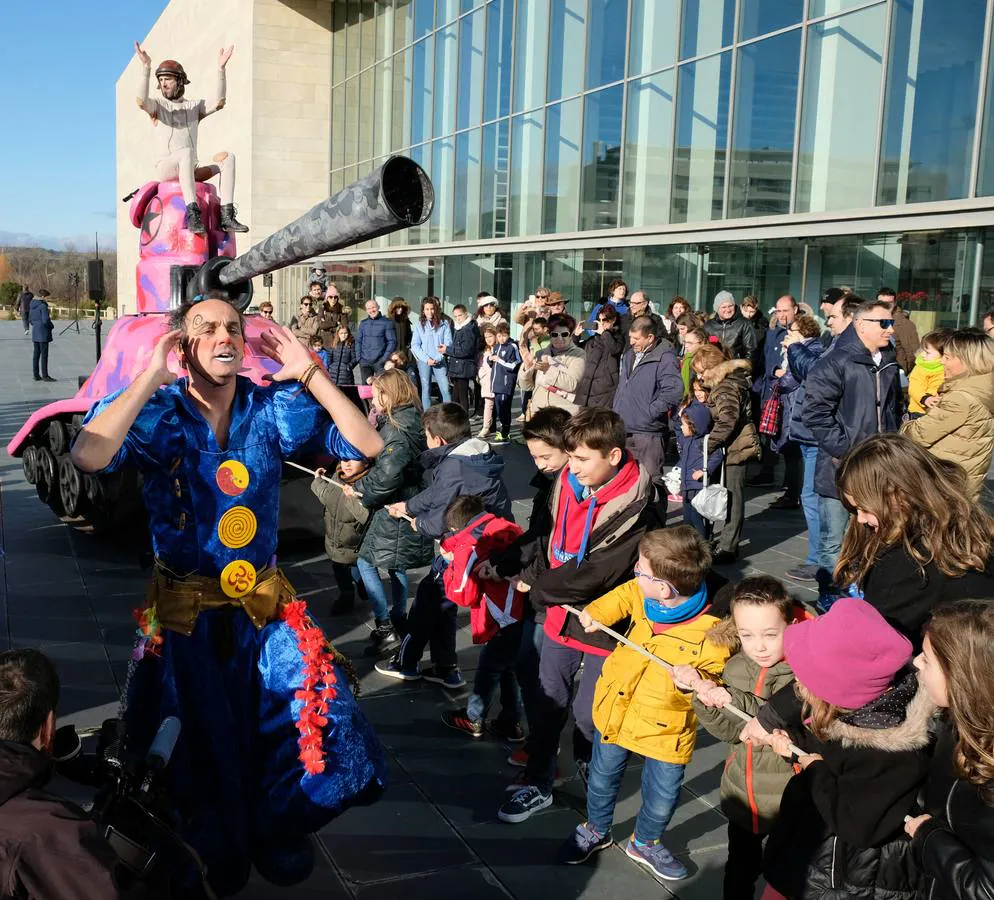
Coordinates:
<point>77,420</point>
<point>29,462</point>
<point>58,437</point>
<point>47,484</point>
<point>70,486</point>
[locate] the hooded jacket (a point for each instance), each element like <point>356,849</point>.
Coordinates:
<point>345,518</point>
<point>49,849</point>
<point>375,340</point>
<point>427,341</point>
<point>648,392</point>
<point>616,525</point>
<point>955,848</point>
<point>849,398</point>
<point>396,475</point>
<point>737,335</point>
<point>800,358</point>
<point>402,325</point>
<point>961,428</point>
<point>557,386</point>
<point>840,835</point>
<point>521,554</point>
<point>733,430</point>
<point>460,355</point>
<point>636,704</point>
<point>341,364</point>
<point>504,372</point>
<point>40,320</point>
<point>692,448</point>
<point>468,466</point>
<point>924,381</point>
<point>602,357</point>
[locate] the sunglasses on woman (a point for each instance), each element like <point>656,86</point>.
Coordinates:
<point>559,334</point>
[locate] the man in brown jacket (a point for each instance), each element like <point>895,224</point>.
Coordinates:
<point>905,334</point>
<point>48,847</point>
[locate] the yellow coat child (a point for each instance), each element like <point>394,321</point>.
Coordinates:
<point>637,706</point>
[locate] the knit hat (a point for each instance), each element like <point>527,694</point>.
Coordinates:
<point>484,300</point>
<point>849,656</point>
<point>723,297</point>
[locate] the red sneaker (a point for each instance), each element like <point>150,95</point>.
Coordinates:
<point>518,758</point>
<point>458,720</point>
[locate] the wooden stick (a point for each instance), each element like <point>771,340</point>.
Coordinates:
<point>734,710</point>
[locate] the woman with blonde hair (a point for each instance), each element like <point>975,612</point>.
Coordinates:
<point>915,539</point>
<point>960,427</point>
<point>396,475</point>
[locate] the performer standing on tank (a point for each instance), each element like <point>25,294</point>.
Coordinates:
<point>273,744</point>
<point>176,122</point>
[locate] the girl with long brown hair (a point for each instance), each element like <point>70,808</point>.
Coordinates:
<point>432,337</point>
<point>953,843</point>
<point>916,539</point>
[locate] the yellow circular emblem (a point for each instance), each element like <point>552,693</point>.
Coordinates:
<point>232,477</point>
<point>237,578</point>
<point>237,527</point>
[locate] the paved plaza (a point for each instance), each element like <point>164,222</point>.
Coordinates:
<point>435,832</point>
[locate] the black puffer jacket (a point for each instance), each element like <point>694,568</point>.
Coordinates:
<point>460,355</point>
<point>737,335</point>
<point>397,475</point>
<point>840,835</point>
<point>955,848</point>
<point>600,369</point>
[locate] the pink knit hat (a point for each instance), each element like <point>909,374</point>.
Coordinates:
<point>849,656</point>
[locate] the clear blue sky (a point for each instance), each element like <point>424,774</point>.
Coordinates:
<point>59,62</point>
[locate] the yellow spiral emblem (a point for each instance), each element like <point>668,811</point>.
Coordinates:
<point>237,527</point>
<point>237,578</point>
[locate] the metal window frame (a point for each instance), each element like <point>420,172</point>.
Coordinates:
<point>885,61</point>
<point>802,61</point>
<point>733,91</point>
<point>985,61</point>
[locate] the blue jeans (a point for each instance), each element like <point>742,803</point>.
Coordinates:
<point>496,667</point>
<point>441,376</point>
<point>810,503</point>
<point>377,596</point>
<point>529,656</point>
<point>661,783</point>
<point>832,520</point>
<point>692,517</point>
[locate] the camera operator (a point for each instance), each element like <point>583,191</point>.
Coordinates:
<point>49,849</point>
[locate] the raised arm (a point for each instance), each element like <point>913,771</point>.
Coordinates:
<point>144,76</point>
<point>220,96</point>
<point>100,439</point>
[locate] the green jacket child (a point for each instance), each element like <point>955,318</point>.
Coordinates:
<point>345,518</point>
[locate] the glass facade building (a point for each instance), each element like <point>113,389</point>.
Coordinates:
<point>763,146</point>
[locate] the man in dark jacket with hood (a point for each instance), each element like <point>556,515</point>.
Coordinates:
<point>649,389</point>
<point>851,393</point>
<point>48,847</point>
<point>734,330</point>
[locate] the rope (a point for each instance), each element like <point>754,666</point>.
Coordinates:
<point>332,481</point>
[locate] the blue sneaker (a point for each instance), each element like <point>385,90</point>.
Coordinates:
<point>657,859</point>
<point>451,679</point>
<point>582,844</point>
<point>524,803</point>
<point>391,668</point>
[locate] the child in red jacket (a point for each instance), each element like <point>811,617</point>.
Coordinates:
<point>496,614</point>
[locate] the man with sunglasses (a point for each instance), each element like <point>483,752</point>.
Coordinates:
<point>851,393</point>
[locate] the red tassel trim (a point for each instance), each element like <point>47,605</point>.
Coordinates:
<point>318,688</point>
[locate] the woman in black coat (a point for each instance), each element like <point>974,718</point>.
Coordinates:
<point>602,362</point>
<point>460,355</point>
<point>400,314</point>
<point>397,475</point>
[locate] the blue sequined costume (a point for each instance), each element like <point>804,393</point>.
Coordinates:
<point>236,777</point>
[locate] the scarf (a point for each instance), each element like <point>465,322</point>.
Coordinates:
<point>660,614</point>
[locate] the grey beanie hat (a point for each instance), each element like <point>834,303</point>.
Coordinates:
<point>723,297</point>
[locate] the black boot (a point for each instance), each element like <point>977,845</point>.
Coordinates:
<point>228,220</point>
<point>384,640</point>
<point>194,221</point>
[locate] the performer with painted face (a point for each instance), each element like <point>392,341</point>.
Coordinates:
<point>176,121</point>
<point>273,744</point>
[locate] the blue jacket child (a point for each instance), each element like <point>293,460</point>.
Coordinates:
<point>505,369</point>
<point>692,448</point>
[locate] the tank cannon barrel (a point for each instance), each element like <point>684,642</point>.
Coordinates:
<point>397,195</point>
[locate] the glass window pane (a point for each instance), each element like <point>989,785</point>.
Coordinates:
<point>422,81</point>
<point>469,163</point>
<point>708,25</point>
<point>445,11</point>
<point>367,105</point>
<point>338,127</point>
<point>985,182</point>
<point>648,150</point>
<point>472,41</point>
<point>601,171</point>
<point>443,164</point>
<point>351,129</point>
<point>606,35</point>
<point>419,233</point>
<point>527,160</point>
<point>831,7</point>
<point>339,53</point>
<point>401,99</point>
<point>839,111</point>
<point>763,131</point>
<point>493,180</point>
<point>701,139</point>
<point>403,26</point>
<point>653,41</point>
<point>568,26</point>
<point>424,17</point>
<point>446,62</point>
<point>352,49</point>
<point>367,28</point>
<point>384,28</point>
<point>931,100</point>
<point>763,16</point>
<point>563,136</point>
<point>497,90</point>
<point>531,45</point>
<point>384,111</point>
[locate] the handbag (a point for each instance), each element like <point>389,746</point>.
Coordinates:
<point>672,480</point>
<point>771,416</point>
<point>712,500</point>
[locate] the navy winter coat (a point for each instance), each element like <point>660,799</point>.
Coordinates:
<point>466,467</point>
<point>461,353</point>
<point>848,399</point>
<point>800,358</point>
<point>647,394</point>
<point>341,364</point>
<point>692,448</point>
<point>375,340</point>
<point>772,355</point>
<point>40,321</point>
<point>505,372</point>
